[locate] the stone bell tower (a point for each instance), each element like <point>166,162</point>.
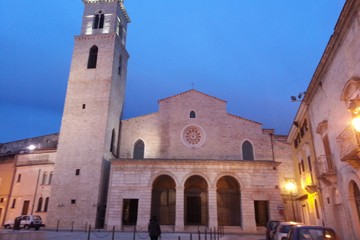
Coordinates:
<point>90,124</point>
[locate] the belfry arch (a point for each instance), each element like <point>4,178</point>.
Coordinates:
<point>228,201</point>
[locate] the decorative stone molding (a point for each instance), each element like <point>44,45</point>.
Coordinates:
<point>193,136</point>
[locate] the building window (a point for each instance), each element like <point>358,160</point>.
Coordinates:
<point>120,66</point>
<point>112,143</point>
<point>1,200</point>
<point>192,114</point>
<point>99,20</point>
<point>44,179</point>
<point>46,204</point>
<point>139,149</point>
<point>39,204</point>
<point>13,203</point>
<point>77,172</point>
<point>50,177</point>
<point>93,54</point>
<point>19,178</point>
<point>247,151</point>
<point>73,201</point>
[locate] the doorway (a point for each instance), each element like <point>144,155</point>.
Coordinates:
<point>25,208</point>
<point>130,211</point>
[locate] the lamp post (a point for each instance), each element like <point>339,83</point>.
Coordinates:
<point>290,186</point>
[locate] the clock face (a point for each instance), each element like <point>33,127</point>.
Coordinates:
<point>193,136</point>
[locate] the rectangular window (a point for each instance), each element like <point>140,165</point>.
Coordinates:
<point>19,178</point>
<point>73,201</point>
<point>130,211</point>
<point>13,203</point>
<point>1,200</point>
<point>77,172</point>
<point>309,162</point>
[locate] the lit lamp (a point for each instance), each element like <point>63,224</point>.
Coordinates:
<point>354,108</point>
<point>291,187</point>
<point>31,147</point>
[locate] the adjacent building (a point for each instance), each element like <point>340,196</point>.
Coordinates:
<point>330,144</point>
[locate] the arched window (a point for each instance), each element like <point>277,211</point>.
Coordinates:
<point>247,151</point>
<point>139,148</point>
<point>99,20</point>
<point>44,178</point>
<point>93,54</point>
<point>39,204</point>
<point>192,114</point>
<point>50,177</point>
<point>46,204</point>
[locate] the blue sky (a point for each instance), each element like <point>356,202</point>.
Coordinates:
<point>254,54</point>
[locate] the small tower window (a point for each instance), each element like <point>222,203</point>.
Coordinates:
<point>192,114</point>
<point>120,66</point>
<point>139,148</point>
<point>93,54</point>
<point>112,144</point>
<point>247,151</point>
<point>99,20</point>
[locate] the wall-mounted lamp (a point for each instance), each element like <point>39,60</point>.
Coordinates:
<point>298,98</point>
<point>354,108</point>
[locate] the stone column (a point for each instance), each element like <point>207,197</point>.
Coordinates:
<point>213,216</point>
<point>179,211</point>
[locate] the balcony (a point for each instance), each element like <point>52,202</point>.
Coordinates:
<point>324,167</point>
<point>307,182</point>
<point>349,145</point>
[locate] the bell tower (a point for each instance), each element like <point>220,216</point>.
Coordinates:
<point>90,123</point>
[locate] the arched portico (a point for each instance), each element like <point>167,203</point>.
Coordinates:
<point>228,201</point>
<point>163,200</point>
<point>196,201</point>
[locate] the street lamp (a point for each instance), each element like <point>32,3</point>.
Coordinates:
<point>354,108</point>
<point>291,187</point>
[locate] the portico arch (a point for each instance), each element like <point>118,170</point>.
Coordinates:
<point>163,199</point>
<point>228,201</point>
<point>196,201</point>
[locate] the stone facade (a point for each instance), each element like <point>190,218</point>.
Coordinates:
<point>214,152</point>
<point>334,86</point>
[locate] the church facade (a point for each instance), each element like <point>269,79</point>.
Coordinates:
<point>194,165</point>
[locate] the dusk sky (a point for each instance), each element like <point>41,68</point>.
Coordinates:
<point>254,54</point>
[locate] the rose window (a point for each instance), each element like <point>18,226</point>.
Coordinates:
<point>193,136</point>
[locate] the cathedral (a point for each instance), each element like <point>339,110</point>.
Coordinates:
<point>192,164</point>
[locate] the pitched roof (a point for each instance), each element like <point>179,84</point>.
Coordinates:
<point>191,91</point>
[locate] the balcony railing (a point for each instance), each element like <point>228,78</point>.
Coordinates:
<point>349,145</point>
<point>324,166</point>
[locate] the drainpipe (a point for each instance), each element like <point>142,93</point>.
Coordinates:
<point>10,192</point>
<point>36,188</point>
